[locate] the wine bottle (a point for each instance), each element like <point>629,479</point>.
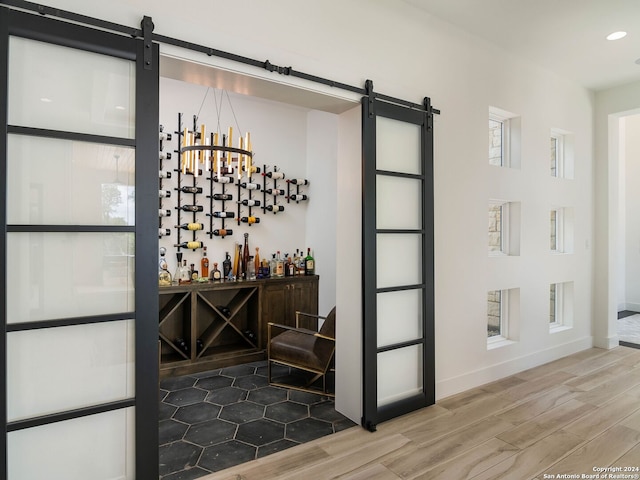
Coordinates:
<point>164,213</point>
<point>299,181</point>
<point>221,179</point>
<point>191,189</point>
<point>165,136</point>
<point>192,208</point>
<point>250,186</point>
<point>254,169</point>
<point>216,276</point>
<point>164,193</point>
<point>245,257</point>
<point>204,263</point>
<point>226,265</point>
<point>165,156</point>
<point>275,191</point>
<point>164,232</point>
<point>250,220</point>
<point>298,197</point>
<point>275,175</point>
<point>189,245</point>
<point>309,263</point>
<point>222,232</point>
<point>191,226</point>
<point>189,172</point>
<point>224,214</point>
<point>163,174</point>
<point>275,208</point>
<point>222,196</point>
<point>236,260</point>
<point>250,203</point>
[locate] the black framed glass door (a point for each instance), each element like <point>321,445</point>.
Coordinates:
<point>398,270</point>
<point>78,157</point>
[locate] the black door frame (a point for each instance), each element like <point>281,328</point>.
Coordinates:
<point>146,143</point>
<point>372,107</point>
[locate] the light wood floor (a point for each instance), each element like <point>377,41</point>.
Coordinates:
<point>565,417</point>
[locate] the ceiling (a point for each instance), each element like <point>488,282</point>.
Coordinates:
<point>565,36</point>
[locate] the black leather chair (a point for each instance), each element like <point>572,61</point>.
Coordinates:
<point>310,350</point>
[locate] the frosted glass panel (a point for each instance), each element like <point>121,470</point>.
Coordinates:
<point>399,316</point>
<point>398,202</point>
<point>399,374</point>
<point>92,94</point>
<point>60,275</point>
<point>47,177</point>
<point>398,146</point>
<point>399,258</point>
<point>56,369</point>
<point>97,447</point>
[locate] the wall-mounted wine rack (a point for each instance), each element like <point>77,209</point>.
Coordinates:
<point>223,167</point>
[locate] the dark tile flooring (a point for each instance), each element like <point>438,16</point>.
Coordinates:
<point>213,420</point>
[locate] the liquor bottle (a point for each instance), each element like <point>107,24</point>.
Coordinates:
<point>164,232</point>
<point>296,261</point>
<point>163,174</point>
<point>250,220</point>
<point>192,208</point>
<point>275,208</point>
<point>222,232</point>
<point>250,186</point>
<point>221,179</point>
<point>204,263</point>
<point>164,193</point>
<point>164,277</point>
<point>275,175</point>
<point>250,203</point>
<point>245,258</point>
<point>309,263</point>
<point>222,196</point>
<point>166,156</point>
<point>236,260</point>
<point>272,265</point>
<point>189,245</point>
<point>193,272</point>
<point>190,226</point>
<point>279,272</point>
<point>291,267</point>
<point>176,275</point>
<point>275,191</point>
<point>184,275</point>
<point>256,260</point>
<point>223,214</point>
<point>191,189</point>
<point>298,197</point>
<point>226,265</point>
<point>216,276</point>
<point>251,268</point>
<point>298,181</point>
<point>302,263</point>
<point>164,213</point>
<point>266,272</point>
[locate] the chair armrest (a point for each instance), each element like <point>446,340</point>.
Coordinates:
<point>310,315</point>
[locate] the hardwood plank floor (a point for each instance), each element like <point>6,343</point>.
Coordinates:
<point>565,417</point>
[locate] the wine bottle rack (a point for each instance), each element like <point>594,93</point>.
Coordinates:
<point>224,189</point>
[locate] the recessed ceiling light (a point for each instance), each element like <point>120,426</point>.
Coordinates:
<point>46,100</point>
<point>119,107</point>
<point>616,35</point>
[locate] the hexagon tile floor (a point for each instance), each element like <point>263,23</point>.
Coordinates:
<point>213,420</point>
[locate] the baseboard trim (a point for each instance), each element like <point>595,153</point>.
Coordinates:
<point>607,343</point>
<point>482,376</point>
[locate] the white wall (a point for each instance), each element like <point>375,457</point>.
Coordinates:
<point>410,54</point>
<point>632,213</point>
